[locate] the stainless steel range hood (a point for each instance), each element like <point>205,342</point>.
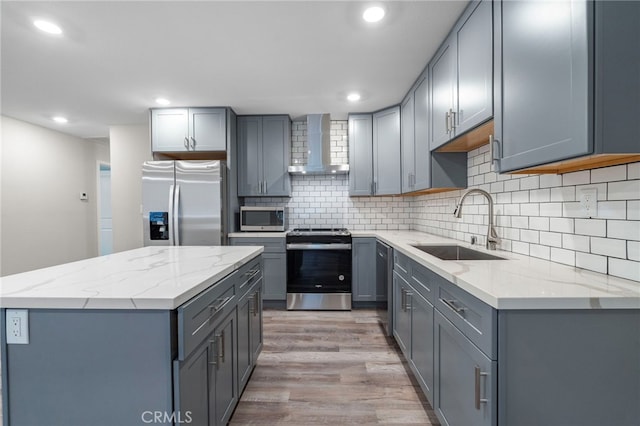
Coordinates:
<point>319,149</point>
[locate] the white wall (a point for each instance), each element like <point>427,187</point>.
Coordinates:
<point>43,220</point>
<point>130,147</point>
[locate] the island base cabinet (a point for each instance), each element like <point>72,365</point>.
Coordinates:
<point>465,379</point>
<point>90,367</point>
<point>206,390</point>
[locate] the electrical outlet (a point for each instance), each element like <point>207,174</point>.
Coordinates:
<point>589,202</point>
<point>17,326</point>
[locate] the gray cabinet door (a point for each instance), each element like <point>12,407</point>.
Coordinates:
<point>422,342</point>
<point>386,152</point>
<point>276,153</point>
<point>249,156</point>
<point>193,385</point>
<point>422,150</point>
<point>225,373</point>
<point>207,129</point>
<point>543,82</point>
<point>475,68</point>
<point>244,338</point>
<point>442,82</point>
<point>360,154</point>
<point>407,144</point>
<point>363,269</point>
<point>464,379</point>
<point>169,129</point>
<point>256,323</point>
<point>401,314</point>
<point>275,276</point>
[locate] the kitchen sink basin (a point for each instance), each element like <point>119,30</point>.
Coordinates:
<point>454,252</point>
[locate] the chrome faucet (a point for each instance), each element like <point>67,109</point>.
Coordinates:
<point>492,237</point>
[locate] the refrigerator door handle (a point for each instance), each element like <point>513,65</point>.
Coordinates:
<point>171,203</point>
<point>176,216</point>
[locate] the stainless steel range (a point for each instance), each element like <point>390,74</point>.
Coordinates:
<point>319,269</point>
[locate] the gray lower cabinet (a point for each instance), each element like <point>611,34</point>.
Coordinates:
<point>565,100</point>
<point>363,279</point>
<point>482,366</point>
<point>465,379</point>
<point>374,153</point>
<point>249,326</point>
<point>188,129</point>
<point>264,152</point>
<point>224,372</point>
<point>275,264</point>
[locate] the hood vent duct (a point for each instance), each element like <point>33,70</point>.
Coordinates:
<point>319,149</point>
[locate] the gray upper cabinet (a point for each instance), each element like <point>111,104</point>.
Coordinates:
<point>558,81</point>
<point>264,150</point>
<point>461,76</point>
<point>374,153</point>
<point>386,152</point>
<point>188,129</point>
<point>360,154</point>
<point>422,173</point>
<point>407,143</point>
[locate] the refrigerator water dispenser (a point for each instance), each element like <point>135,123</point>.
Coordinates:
<point>159,225</point>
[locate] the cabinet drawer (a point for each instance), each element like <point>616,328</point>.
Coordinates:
<point>401,264</point>
<point>423,280</point>
<point>271,245</point>
<point>474,318</point>
<point>198,317</point>
<point>249,274</point>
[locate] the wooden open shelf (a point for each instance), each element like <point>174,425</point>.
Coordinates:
<point>470,140</point>
<point>582,163</point>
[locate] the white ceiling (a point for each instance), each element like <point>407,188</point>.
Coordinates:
<point>259,57</point>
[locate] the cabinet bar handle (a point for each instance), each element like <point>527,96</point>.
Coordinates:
<point>193,143</point>
<point>478,374</point>
<point>186,142</point>
<point>408,299</point>
<point>452,305</point>
<point>453,120</point>
<point>446,121</point>
<point>257,309</point>
<point>221,347</point>
<point>402,299</point>
<point>212,342</point>
<point>252,300</point>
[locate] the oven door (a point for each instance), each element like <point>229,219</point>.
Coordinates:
<point>318,268</point>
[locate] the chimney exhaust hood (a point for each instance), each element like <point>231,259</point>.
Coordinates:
<point>319,149</point>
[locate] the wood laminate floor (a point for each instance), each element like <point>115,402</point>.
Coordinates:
<point>321,367</point>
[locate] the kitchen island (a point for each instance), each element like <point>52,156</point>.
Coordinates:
<point>157,334</point>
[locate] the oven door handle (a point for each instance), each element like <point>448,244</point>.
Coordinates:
<point>316,246</point>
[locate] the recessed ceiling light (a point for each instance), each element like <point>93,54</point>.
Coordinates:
<point>353,97</point>
<point>59,119</point>
<point>162,101</point>
<point>373,14</point>
<point>47,27</point>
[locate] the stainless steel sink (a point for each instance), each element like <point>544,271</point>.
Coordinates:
<point>455,252</point>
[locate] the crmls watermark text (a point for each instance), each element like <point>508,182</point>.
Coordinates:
<point>163,417</point>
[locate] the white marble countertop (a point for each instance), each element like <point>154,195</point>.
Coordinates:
<point>144,278</point>
<point>258,234</point>
<point>519,282</point>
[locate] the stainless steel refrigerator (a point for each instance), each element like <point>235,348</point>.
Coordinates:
<point>184,203</point>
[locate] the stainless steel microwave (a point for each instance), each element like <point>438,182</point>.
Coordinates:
<point>254,218</point>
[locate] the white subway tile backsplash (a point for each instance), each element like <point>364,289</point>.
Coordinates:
<point>563,193</point>
<point>520,247</point>
<point>576,178</point>
<point>512,185</point>
<point>540,195</point>
<point>566,257</point>
<point>591,262</point>
<point>633,250</point>
<point>551,209</point>
<point>532,182</point>
<point>612,209</point>
<point>549,181</point>
<point>593,227</point>
<point>520,197</point>
<point>530,209</point>
<point>609,247</point>
<point>624,268</point>
<point>633,171</point>
<point>529,236</point>
<point>609,174</point>
<point>575,242</point>
<point>625,190</point>
<point>624,229</point>
<point>539,223</point>
<point>541,252</point>
<point>553,239</point>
